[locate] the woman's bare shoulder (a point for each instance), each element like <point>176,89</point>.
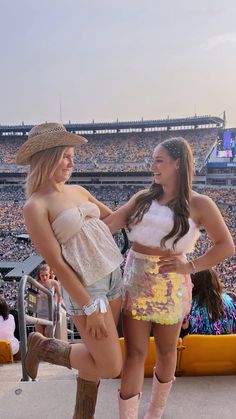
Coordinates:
<point>78,189</point>
<point>202,207</point>
<point>199,200</point>
<point>35,203</point>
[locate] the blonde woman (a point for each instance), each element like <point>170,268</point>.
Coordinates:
<point>65,224</point>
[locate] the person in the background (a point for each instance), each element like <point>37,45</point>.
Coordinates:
<point>53,276</point>
<point>7,326</point>
<point>43,277</point>
<point>213,312</point>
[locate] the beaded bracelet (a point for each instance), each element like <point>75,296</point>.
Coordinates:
<point>193,266</point>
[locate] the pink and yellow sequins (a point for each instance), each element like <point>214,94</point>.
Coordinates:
<point>155,297</point>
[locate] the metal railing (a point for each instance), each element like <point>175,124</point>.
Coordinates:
<point>23,318</point>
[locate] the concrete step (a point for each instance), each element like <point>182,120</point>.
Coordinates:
<point>53,396</point>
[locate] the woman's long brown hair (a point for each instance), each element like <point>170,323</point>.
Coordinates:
<point>4,309</point>
<point>177,148</point>
<point>207,290</point>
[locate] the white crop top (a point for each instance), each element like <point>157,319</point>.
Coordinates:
<point>156,224</point>
<point>86,242</point>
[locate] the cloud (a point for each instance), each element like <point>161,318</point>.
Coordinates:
<point>215,41</point>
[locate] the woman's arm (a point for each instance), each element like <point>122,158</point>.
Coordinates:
<point>211,219</point>
<point>105,211</point>
<point>42,236</point>
<point>12,323</point>
<point>118,219</point>
<point>208,216</point>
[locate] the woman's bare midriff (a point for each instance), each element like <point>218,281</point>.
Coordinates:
<point>154,251</point>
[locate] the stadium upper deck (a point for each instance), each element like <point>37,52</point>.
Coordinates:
<point>195,122</point>
<point>127,149</point>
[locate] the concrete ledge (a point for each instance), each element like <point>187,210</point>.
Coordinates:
<point>191,398</point>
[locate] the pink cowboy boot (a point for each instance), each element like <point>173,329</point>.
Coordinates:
<point>159,395</point>
<point>129,408</point>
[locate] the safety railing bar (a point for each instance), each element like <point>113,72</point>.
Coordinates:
<point>38,285</point>
<point>22,316</point>
<point>37,320</point>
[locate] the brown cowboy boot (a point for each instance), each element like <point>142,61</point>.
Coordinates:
<point>50,350</point>
<point>86,398</point>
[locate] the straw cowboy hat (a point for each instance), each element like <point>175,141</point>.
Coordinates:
<point>44,136</point>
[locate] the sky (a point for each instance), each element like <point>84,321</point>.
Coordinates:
<point>103,60</point>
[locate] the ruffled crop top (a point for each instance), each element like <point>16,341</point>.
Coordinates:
<point>86,242</point>
<point>156,224</point>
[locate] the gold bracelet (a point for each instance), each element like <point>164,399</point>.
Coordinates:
<point>194,269</point>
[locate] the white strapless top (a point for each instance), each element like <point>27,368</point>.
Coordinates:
<point>86,242</point>
<point>156,224</point>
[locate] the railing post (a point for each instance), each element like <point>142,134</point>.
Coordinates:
<point>22,326</point>
<point>22,320</point>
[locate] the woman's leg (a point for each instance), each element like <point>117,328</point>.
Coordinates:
<point>136,334</point>
<point>40,328</point>
<point>96,358</point>
<point>115,308</point>
<point>86,396</point>
<point>166,339</point>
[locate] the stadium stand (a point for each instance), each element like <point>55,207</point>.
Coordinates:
<point>207,355</point>
<point>121,155</point>
<point>6,354</point>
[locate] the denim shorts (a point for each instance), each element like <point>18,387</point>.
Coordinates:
<point>101,292</point>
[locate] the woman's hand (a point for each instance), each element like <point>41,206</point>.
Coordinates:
<point>174,263</point>
<point>95,325</point>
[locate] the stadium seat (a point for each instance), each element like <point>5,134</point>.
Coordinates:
<point>208,355</point>
<point>151,356</point>
<point>6,355</point>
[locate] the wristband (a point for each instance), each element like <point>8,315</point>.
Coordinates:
<point>194,270</point>
<point>89,309</point>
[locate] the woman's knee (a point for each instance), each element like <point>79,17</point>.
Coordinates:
<point>136,354</point>
<point>111,369</point>
<point>167,351</point>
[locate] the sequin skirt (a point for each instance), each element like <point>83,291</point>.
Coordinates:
<point>149,295</point>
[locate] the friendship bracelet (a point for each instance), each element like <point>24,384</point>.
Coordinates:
<point>194,269</point>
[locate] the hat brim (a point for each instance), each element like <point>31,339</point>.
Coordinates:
<point>46,141</point>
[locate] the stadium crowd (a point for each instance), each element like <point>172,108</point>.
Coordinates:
<point>9,291</point>
<point>118,152</point>
<point>11,221</point>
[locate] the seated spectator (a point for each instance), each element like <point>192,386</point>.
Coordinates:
<point>212,312</point>
<point>7,326</point>
<point>14,313</point>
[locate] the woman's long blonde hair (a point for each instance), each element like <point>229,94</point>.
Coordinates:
<point>42,167</point>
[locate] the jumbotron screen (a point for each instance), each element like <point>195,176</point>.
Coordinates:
<point>226,144</point>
